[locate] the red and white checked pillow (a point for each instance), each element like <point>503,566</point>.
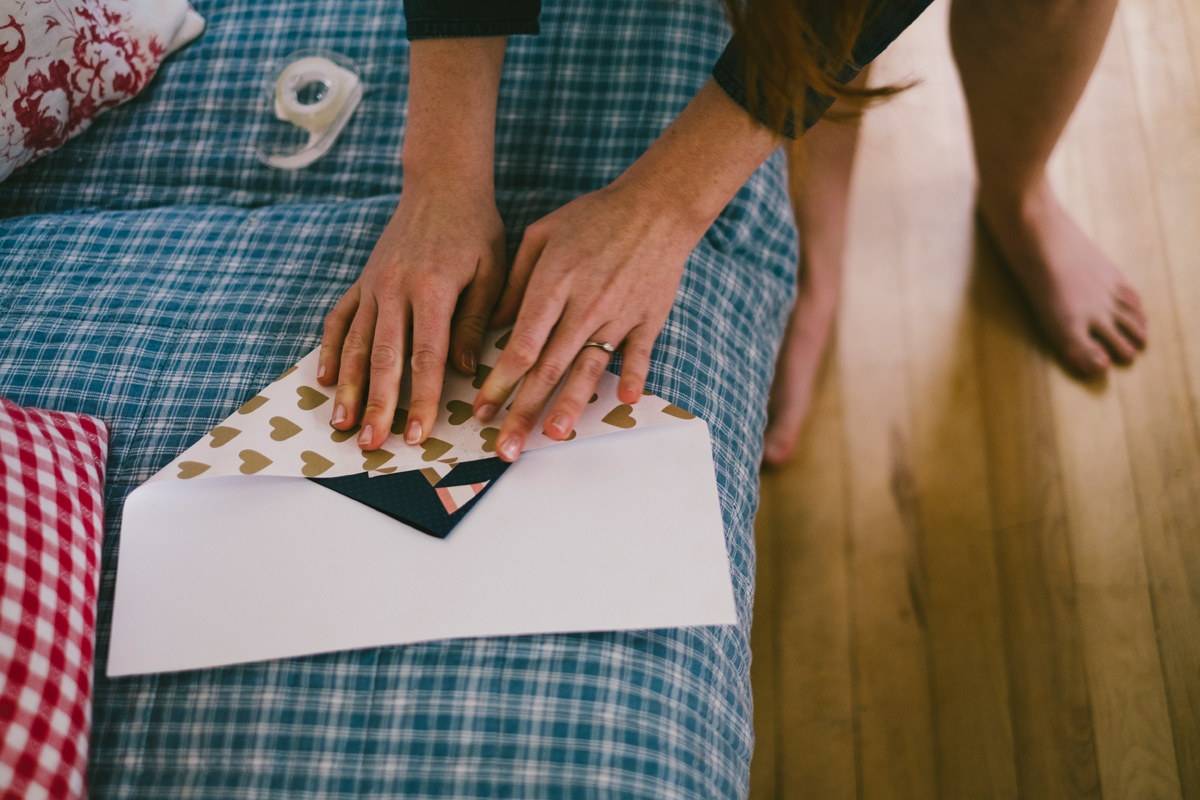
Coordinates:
<point>51,525</point>
<point>64,62</point>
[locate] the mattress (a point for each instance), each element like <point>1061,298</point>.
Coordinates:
<point>154,273</point>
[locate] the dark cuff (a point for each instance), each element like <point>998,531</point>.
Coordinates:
<point>442,19</point>
<point>730,74</point>
<point>469,28</point>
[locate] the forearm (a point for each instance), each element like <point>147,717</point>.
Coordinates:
<point>701,160</point>
<point>453,86</point>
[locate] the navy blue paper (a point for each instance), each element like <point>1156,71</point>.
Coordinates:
<point>410,498</point>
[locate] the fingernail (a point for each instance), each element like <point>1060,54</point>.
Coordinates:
<point>339,414</point>
<point>558,423</point>
<point>485,412</point>
<point>413,434</point>
<point>320,372</point>
<point>468,359</point>
<point>511,447</point>
<point>364,438</point>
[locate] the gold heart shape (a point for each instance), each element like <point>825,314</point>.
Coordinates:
<point>310,398</point>
<point>450,461</point>
<point>675,411</point>
<point>252,404</point>
<point>190,469</point>
<point>620,416</point>
<point>222,435</point>
<point>399,421</point>
<point>386,470</point>
<point>314,464</point>
<point>252,462</point>
<point>460,412</point>
<point>570,436</point>
<point>481,373</point>
<point>283,428</point>
<point>286,372</point>
<point>489,439</point>
<point>595,397</point>
<point>434,449</point>
<point>375,459</point>
<point>502,342</point>
<point>341,436</point>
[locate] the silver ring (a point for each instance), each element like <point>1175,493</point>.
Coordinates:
<point>605,346</point>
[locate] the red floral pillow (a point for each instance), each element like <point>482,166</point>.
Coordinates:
<point>62,62</point>
<point>51,524</point>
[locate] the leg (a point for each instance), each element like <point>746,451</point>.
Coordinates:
<point>1024,65</point>
<point>820,207</point>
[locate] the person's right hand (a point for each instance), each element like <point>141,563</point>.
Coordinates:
<point>428,288</point>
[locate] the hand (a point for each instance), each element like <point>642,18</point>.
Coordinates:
<point>444,247</point>
<point>604,267</point>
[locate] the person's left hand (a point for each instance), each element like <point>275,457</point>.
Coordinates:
<point>604,268</point>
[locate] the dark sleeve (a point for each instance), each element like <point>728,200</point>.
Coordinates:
<point>887,19</point>
<point>443,19</point>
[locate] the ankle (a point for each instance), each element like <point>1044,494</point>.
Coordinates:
<point>1006,203</point>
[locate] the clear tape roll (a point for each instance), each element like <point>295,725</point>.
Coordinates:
<point>319,96</point>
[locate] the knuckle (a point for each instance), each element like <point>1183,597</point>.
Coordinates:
<point>592,368</point>
<point>356,342</point>
<point>473,324</point>
<point>425,359</point>
<point>384,357</point>
<point>525,349</point>
<point>549,372</point>
<point>376,408</point>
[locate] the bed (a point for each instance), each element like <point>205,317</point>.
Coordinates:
<point>153,273</point>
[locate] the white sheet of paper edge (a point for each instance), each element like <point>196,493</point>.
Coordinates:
<point>611,533</point>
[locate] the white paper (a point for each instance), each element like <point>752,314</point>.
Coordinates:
<point>610,533</point>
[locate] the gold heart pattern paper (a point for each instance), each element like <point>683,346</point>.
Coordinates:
<point>284,429</point>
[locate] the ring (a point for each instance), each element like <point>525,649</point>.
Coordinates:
<point>605,346</point>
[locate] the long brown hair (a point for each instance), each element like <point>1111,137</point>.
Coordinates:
<point>791,46</point>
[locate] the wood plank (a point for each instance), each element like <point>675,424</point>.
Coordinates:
<point>1157,406</point>
<point>1052,721</point>
<point>924,140</point>
<point>814,696</point>
<point>887,578</point>
<point>1136,754</point>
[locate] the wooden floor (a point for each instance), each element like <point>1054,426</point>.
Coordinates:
<point>979,577</point>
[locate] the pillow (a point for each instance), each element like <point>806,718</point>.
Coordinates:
<point>51,525</point>
<point>61,64</point>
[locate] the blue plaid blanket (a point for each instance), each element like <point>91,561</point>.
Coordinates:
<point>154,274</point>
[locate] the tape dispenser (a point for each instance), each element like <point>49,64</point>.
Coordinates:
<point>315,93</point>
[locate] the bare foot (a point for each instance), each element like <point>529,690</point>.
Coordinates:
<point>796,370</point>
<point>1091,314</point>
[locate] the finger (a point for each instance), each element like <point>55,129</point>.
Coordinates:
<point>532,243</point>
<point>581,384</point>
<point>538,317</point>
<point>470,321</point>
<point>353,369</point>
<point>635,362</point>
<point>387,364</point>
<point>337,323</point>
<point>432,310</point>
<point>539,384</point>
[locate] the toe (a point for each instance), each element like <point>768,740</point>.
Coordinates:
<point>1087,356</point>
<point>777,446</point>
<point>1108,334</point>
<point>1127,296</point>
<point>1132,325</point>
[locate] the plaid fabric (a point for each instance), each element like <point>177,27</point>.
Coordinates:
<point>180,275</point>
<point>51,521</point>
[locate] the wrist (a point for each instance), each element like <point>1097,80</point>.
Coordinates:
<point>466,171</point>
